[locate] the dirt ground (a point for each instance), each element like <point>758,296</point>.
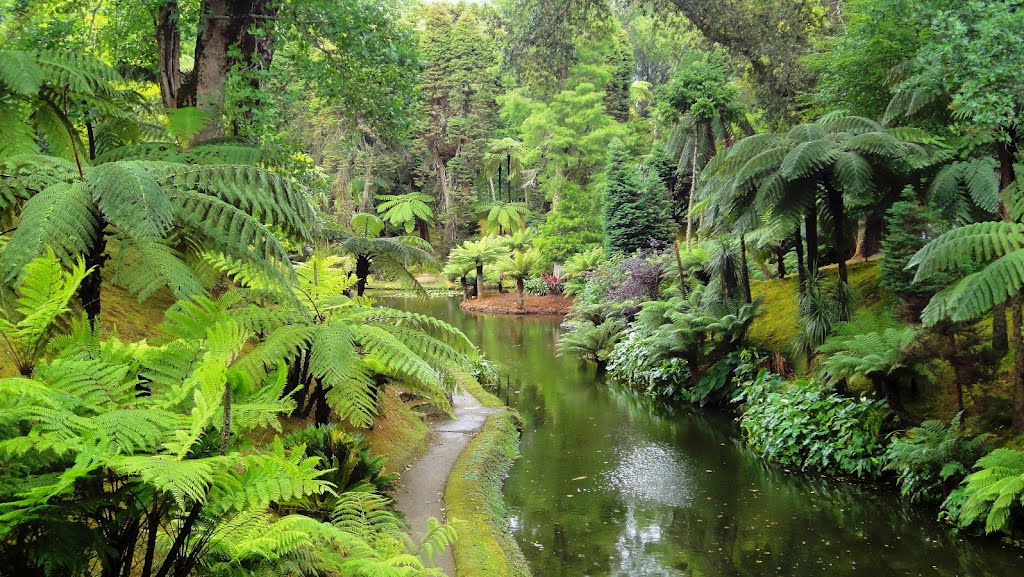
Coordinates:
<point>508,304</point>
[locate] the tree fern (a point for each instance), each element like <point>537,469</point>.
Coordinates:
<point>995,492</point>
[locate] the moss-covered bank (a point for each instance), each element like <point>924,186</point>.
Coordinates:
<point>485,546</point>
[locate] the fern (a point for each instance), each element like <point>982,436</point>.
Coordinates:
<point>994,491</point>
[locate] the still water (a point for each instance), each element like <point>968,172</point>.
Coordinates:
<point>609,484</point>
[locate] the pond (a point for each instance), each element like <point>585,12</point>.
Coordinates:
<point>610,484</point>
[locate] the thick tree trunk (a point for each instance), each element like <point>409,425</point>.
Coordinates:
<point>362,273</point>
<point>838,210</point>
<point>780,261</point>
<point>1018,365</point>
<point>508,175</point>
<point>465,287</point>
<point>801,272</point>
<point>871,240</point>
<point>168,50</point>
<point>447,198</point>
<point>366,198</point>
<point>423,228</point>
<point>91,288</point>
<point>226,26</point>
<point>479,281</point>
<point>521,287</point>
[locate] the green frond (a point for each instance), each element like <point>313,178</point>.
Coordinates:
<point>852,124</point>
<point>853,174</point>
<point>807,158</point>
<point>59,217</point>
<point>968,245</point>
<point>131,199</point>
<point>20,73</point>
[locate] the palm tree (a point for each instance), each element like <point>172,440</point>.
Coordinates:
<point>521,265</point>
<point>393,255</point>
<point>701,106</point>
<point>479,252</point>
<point>504,155</point>
<point>408,211</point>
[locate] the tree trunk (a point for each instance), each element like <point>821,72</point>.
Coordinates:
<point>811,229</point>
<point>693,192</point>
<point>168,49</point>
<point>745,270</point>
<point>679,269</point>
<point>479,281</point>
<point>780,261</point>
<point>521,287</point>
<point>871,241</point>
<point>366,198</point>
<point>1018,366</point>
<point>1000,333</point>
<point>362,273</point>
<point>508,176</point>
<point>424,229</point>
<point>225,26</point>
<point>447,198</point>
<point>835,206</point>
<point>801,271</point>
<point>92,285</point>
<point>465,287</point>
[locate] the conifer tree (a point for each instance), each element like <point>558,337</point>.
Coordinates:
<point>635,208</point>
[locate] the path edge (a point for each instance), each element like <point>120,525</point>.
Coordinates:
<point>473,499</point>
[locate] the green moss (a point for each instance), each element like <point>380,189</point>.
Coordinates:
<point>486,399</point>
<point>399,432</point>
<point>485,545</point>
<point>777,328</point>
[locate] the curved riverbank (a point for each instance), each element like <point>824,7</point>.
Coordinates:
<point>485,544</point>
<point>459,478</point>
<point>508,304</point>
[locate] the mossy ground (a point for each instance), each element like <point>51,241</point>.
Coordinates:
<point>485,545</point>
<point>400,433</point>
<point>777,328</point>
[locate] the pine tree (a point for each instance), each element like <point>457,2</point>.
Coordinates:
<point>635,209</point>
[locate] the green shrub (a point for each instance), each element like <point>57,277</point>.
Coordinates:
<point>932,459</point>
<point>806,425</point>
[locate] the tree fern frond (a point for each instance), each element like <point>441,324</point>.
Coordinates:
<point>59,217</point>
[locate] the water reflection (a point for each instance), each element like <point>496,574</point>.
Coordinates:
<point>610,484</point>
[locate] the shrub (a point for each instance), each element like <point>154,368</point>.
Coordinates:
<point>805,424</point>
<point>536,286</point>
<point>633,362</point>
<point>591,342</point>
<point>930,460</point>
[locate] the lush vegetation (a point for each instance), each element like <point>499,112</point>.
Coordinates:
<point>705,182</point>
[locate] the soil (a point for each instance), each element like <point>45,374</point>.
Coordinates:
<point>508,304</point>
<point>421,494</point>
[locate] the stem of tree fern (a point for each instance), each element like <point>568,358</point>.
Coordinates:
<point>90,289</point>
<point>225,434</point>
<point>1018,364</point>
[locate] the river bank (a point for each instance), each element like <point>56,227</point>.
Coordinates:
<point>611,484</point>
<point>508,304</point>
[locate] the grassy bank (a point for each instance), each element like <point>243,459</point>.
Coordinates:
<point>485,545</point>
<point>399,432</point>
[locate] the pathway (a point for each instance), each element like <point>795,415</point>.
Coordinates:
<point>421,494</point>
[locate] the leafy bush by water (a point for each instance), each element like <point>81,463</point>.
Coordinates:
<point>806,425</point>
<point>932,459</point>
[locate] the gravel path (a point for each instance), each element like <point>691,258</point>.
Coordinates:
<point>421,495</point>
